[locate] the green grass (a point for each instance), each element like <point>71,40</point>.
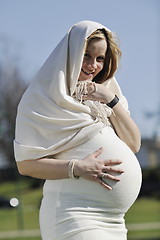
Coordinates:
<point>144,235</point>
<point>26,238</point>
<point>144,210</point>
<point>26,216</point>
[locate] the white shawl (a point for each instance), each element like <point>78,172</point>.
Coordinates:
<point>49,120</point>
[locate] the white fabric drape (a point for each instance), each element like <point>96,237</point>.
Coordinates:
<point>49,120</point>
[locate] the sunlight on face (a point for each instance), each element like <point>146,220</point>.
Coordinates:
<point>93,60</point>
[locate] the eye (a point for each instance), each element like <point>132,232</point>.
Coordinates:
<point>86,55</point>
<point>100,59</point>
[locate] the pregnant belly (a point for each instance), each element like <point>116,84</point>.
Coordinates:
<point>124,192</point>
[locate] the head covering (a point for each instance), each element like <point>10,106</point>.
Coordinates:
<point>49,120</point>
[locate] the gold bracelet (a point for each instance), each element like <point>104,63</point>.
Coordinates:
<point>71,168</point>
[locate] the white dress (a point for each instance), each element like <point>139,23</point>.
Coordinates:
<point>78,209</point>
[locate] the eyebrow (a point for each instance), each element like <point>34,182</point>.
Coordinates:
<point>98,56</point>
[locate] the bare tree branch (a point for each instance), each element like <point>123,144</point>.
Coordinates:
<point>12,86</point>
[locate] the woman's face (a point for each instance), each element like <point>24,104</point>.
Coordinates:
<point>93,60</point>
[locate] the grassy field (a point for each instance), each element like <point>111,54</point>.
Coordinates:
<point>30,238</point>
<point>24,217</point>
<point>144,210</point>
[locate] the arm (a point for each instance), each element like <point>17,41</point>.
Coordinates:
<point>123,124</point>
<point>44,168</point>
<point>91,168</point>
<point>125,127</point>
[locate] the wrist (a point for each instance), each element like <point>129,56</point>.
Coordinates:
<point>72,173</point>
<point>113,102</point>
<point>109,98</point>
<point>77,169</point>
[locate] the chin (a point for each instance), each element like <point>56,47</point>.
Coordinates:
<point>84,77</point>
<point>85,80</point>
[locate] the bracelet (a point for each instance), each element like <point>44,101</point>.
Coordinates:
<point>71,169</point>
<point>113,102</point>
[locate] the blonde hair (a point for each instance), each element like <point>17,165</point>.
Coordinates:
<point>112,57</point>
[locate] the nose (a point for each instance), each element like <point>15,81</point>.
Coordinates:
<point>92,64</point>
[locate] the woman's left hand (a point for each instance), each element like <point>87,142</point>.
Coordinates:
<point>98,92</point>
<point>123,124</point>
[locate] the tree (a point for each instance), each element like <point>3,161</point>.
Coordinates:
<point>12,86</point>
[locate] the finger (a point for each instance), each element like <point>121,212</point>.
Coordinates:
<point>95,154</point>
<point>90,88</point>
<point>87,97</point>
<point>101,182</point>
<point>112,162</point>
<point>98,152</point>
<point>111,177</point>
<point>113,169</point>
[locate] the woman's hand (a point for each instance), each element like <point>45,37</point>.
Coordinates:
<point>98,92</point>
<point>123,124</point>
<point>96,169</point>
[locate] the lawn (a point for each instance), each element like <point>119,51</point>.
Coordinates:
<point>144,210</point>
<point>26,238</point>
<point>26,216</point>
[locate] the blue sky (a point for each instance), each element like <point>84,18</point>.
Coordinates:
<point>32,28</point>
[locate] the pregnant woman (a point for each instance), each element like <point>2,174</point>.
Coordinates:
<point>74,130</point>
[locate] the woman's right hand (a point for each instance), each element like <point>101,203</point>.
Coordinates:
<point>95,169</point>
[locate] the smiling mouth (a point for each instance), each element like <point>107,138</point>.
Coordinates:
<point>87,73</point>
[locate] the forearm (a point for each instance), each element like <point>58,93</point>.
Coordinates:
<point>125,127</point>
<point>44,168</point>
<point>91,168</point>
